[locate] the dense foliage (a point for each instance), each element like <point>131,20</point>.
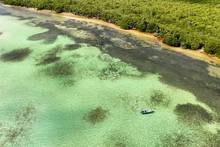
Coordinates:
<point>192,24</point>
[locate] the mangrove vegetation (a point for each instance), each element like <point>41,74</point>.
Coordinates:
<point>191,24</point>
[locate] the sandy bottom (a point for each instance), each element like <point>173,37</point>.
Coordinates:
<point>84,98</point>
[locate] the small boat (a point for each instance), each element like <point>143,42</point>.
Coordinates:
<point>147,111</point>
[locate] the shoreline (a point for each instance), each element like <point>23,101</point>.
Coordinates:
<point>148,37</point>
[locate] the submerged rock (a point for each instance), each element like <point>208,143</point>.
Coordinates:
<point>159,98</point>
<point>18,128</point>
<point>105,58</point>
<point>60,69</point>
<point>15,55</point>
<point>97,115</point>
<point>113,71</point>
<point>193,113</point>
<point>212,140</point>
<point>122,43</point>
<point>177,140</point>
<point>116,69</point>
<point>50,57</point>
<point>70,47</point>
<point>48,36</point>
<point>118,139</point>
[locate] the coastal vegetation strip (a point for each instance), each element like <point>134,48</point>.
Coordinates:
<point>192,24</point>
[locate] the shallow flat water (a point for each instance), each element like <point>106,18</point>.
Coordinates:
<point>63,83</point>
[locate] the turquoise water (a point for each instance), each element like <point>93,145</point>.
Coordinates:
<point>53,104</point>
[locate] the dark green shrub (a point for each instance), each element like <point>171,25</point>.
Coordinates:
<point>45,4</point>
<point>218,53</point>
<point>142,25</point>
<point>111,16</point>
<point>87,8</point>
<point>152,27</point>
<point>161,32</point>
<point>195,1</point>
<point>59,7</point>
<point>212,46</point>
<point>146,26</point>
<point>128,22</point>
<point>191,41</point>
<point>185,44</point>
<point>172,39</point>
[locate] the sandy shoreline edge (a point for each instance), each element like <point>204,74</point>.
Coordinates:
<point>149,37</point>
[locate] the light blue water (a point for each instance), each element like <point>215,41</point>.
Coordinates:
<point>49,105</point>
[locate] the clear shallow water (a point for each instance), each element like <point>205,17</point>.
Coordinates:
<point>52,103</point>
